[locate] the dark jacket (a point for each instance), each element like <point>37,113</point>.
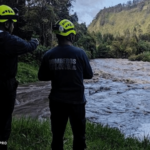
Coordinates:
<point>10,47</point>
<point>66,66</point>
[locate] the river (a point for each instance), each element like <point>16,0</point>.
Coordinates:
<point>118,95</point>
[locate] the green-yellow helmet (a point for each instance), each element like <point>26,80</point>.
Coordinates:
<point>7,13</point>
<point>64,27</point>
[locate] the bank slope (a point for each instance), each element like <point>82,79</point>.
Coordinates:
<point>122,18</point>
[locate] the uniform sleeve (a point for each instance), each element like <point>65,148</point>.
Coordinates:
<point>19,46</point>
<point>87,69</point>
<point>43,73</point>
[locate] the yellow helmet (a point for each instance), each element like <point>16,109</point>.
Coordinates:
<point>7,13</point>
<point>64,27</point>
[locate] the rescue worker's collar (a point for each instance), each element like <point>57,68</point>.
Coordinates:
<point>1,31</point>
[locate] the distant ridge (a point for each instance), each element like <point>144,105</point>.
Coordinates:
<point>131,17</point>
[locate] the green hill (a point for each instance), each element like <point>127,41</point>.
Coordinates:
<point>133,16</point>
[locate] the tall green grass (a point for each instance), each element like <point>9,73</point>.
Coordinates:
<point>27,73</point>
<point>32,134</point>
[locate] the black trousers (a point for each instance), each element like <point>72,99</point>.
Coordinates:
<point>7,102</point>
<point>60,113</point>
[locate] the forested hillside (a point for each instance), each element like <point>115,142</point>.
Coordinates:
<point>123,31</point>
<point>122,18</point>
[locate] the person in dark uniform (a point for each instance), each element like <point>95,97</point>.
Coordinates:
<point>66,66</point>
<point>10,47</point>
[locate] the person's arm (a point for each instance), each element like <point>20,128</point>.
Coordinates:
<point>43,73</point>
<point>19,46</point>
<point>87,70</point>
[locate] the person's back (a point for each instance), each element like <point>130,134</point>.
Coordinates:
<point>67,71</point>
<point>10,47</point>
<point>66,66</point>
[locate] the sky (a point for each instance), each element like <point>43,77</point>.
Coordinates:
<point>87,9</point>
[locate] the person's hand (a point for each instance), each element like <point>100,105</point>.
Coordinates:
<point>36,40</point>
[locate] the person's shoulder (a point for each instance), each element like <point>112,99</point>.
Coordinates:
<point>49,51</point>
<point>12,37</point>
<point>78,49</point>
<point>5,34</point>
<point>8,37</point>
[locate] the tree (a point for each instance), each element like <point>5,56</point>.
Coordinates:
<point>129,3</point>
<point>102,51</point>
<point>107,37</point>
<point>74,18</point>
<point>99,38</point>
<point>88,43</point>
<point>13,3</point>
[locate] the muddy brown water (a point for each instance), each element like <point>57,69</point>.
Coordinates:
<point>118,95</point>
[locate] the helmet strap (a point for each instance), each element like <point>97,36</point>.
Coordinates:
<point>71,38</point>
<point>7,25</point>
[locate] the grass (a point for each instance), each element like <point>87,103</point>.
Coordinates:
<point>29,134</point>
<point>26,73</point>
<point>32,134</point>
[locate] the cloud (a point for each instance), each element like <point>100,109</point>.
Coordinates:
<point>87,9</point>
<point>88,2</point>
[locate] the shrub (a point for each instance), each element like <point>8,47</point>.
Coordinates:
<point>35,56</point>
<point>26,73</point>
